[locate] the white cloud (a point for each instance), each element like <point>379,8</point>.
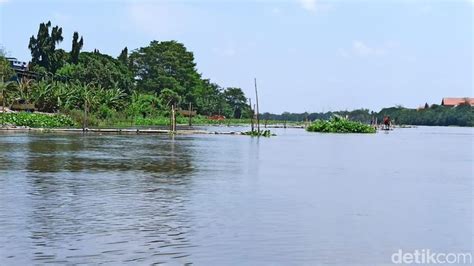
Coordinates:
<point>310,5</point>
<point>3,1</point>
<point>314,6</point>
<point>343,52</point>
<point>276,11</point>
<point>158,18</point>
<point>361,49</point>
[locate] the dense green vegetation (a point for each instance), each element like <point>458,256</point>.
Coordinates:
<point>436,115</point>
<point>361,115</point>
<point>263,133</point>
<point>36,120</point>
<point>339,125</point>
<point>137,87</point>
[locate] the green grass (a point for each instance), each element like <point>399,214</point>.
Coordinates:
<point>165,121</point>
<point>339,125</point>
<point>36,120</point>
<point>75,118</point>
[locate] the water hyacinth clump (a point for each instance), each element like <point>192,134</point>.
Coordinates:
<point>264,133</point>
<point>339,125</point>
<point>35,120</point>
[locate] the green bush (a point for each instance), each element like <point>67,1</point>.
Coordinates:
<point>264,133</point>
<point>105,112</point>
<point>36,120</point>
<point>339,125</point>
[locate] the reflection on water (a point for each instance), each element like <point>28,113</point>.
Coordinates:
<point>94,199</point>
<point>298,198</point>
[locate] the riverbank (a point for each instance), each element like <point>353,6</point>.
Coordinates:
<point>137,131</point>
<point>13,120</point>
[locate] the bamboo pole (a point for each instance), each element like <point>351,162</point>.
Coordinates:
<point>84,124</point>
<point>251,114</point>
<point>256,98</point>
<point>3,104</point>
<point>173,119</point>
<point>190,114</point>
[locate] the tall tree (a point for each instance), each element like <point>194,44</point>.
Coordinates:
<point>165,65</point>
<point>100,70</point>
<point>168,97</point>
<point>6,72</point>
<point>76,47</point>
<point>236,99</point>
<point>44,45</point>
<point>123,57</point>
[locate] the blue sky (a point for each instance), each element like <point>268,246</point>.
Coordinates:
<point>307,55</point>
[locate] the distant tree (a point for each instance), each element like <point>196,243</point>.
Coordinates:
<point>237,101</point>
<point>168,97</point>
<point>6,71</point>
<point>427,106</point>
<point>76,47</point>
<point>99,70</point>
<point>165,65</point>
<point>209,99</point>
<point>43,47</point>
<point>123,57</point>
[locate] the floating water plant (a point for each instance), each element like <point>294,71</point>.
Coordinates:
<point>338,124</point>
<point>265,133</point>
<point>36,120</point>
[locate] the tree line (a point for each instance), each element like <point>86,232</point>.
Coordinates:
<point>142,82</point>
<point>434,115</point>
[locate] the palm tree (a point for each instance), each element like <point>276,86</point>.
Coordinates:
<point>5,88</point>
<point>24,90</point>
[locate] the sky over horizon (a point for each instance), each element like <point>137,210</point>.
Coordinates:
<point>307,55</point>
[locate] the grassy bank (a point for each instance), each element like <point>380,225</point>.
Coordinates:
<point>76,119</point>
<point>121,121</point>
<point>164,121</point>
<point>339,125</point>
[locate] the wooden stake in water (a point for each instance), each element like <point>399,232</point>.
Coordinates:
<point>190,114</point>
<point>256,98</point>
<point>84,124</point>
<point>173,119</point>
<point>251,114</point>
<point>3,105</point>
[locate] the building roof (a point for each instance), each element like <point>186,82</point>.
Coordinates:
<point>449,101</point>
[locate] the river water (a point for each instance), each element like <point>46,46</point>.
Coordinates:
<point>297,198</point>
